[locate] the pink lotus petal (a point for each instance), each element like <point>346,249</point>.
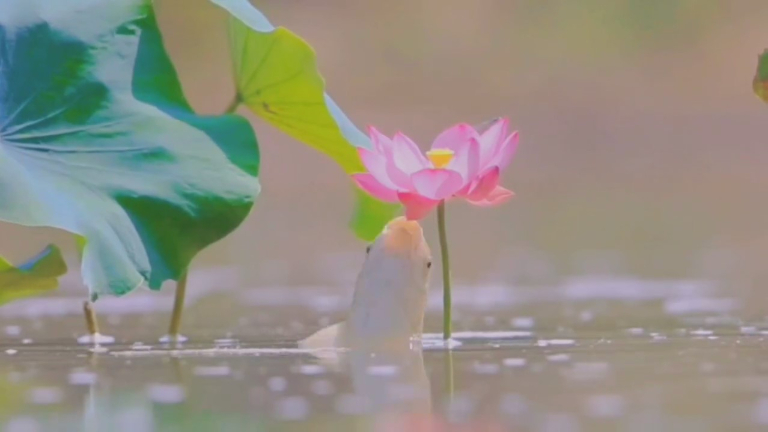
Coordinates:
<point>400,179</point>
<point>491,141</point>
<point>488,181</point>
<point>466,161</point>
<point>506,152</point>
<point>496,197</point>
<point>368,183</point>
<point>455,137</point>
<point>377,166</point>
<point>380,141</point>
<point>406,155</point>
<point>436,183</point>
<point>416,206</point>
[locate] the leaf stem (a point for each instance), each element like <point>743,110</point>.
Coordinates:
<point>446,271</point>
<point>90,318</point>
<point>233,105</point>
<point>178,305</point>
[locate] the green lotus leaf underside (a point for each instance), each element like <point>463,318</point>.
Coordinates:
<point>277,78</point>
<point>97,138</point>
<point>37,276</point>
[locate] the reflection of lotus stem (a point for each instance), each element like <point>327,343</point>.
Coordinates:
<point>90,318</point>
<point>178,305</point>
<point>449,373</point>
<point>446,271</point>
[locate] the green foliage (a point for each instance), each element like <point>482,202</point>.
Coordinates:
<point>277,78</point>
<point>760,81</point>
<point>97,138</point>
<point>37,276</point>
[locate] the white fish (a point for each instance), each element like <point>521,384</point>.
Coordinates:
<point>390,294</point>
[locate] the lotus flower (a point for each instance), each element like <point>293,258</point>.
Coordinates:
<point>462,163</point>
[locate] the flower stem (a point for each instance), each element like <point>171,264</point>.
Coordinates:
<point>178,305</point>
<point>446,271</point>
<point>91,323</point>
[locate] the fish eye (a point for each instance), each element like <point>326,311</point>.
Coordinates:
<point>368,249</point>
<point>429,264</point>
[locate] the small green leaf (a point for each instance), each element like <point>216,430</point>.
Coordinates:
<point>277,79</point>
<point>97,138</point>
<point>37,276</point>
<point>760,81</point>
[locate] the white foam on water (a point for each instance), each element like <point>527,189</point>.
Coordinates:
<point>96,339</point>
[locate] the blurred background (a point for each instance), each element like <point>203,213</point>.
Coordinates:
<point>627,276</point>
<point>642,151</point>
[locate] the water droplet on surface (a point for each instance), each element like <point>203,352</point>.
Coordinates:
<point>166,394</point>
<point>22,424</point>
<point>11,351</point>
<point>559,422</point>
<point>277,384</point>
<point>309,369</point>
<point>701,332</point>
<point>167,339</point>
<point>522,322</point>
<point>514,362</point>
<point>588,370</point>
<point>350,404</point>
<point>383,370</point>
<point>222,370</point>
<point>226,342</point>
<point>44,395</point>
<point>96,338</point>
<point>82,378</point>
<point>485,368</point>
<point>561,342</point>
<point>292,408</point>
<point>748,330</point>
<point>513,404</point>
<point>558,357</point>
<point>605,406</point>
<point>322,387</point>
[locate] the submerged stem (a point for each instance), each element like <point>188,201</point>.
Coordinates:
<point>446,271</point>
<point>178,305</point>
<point>90,318</point>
